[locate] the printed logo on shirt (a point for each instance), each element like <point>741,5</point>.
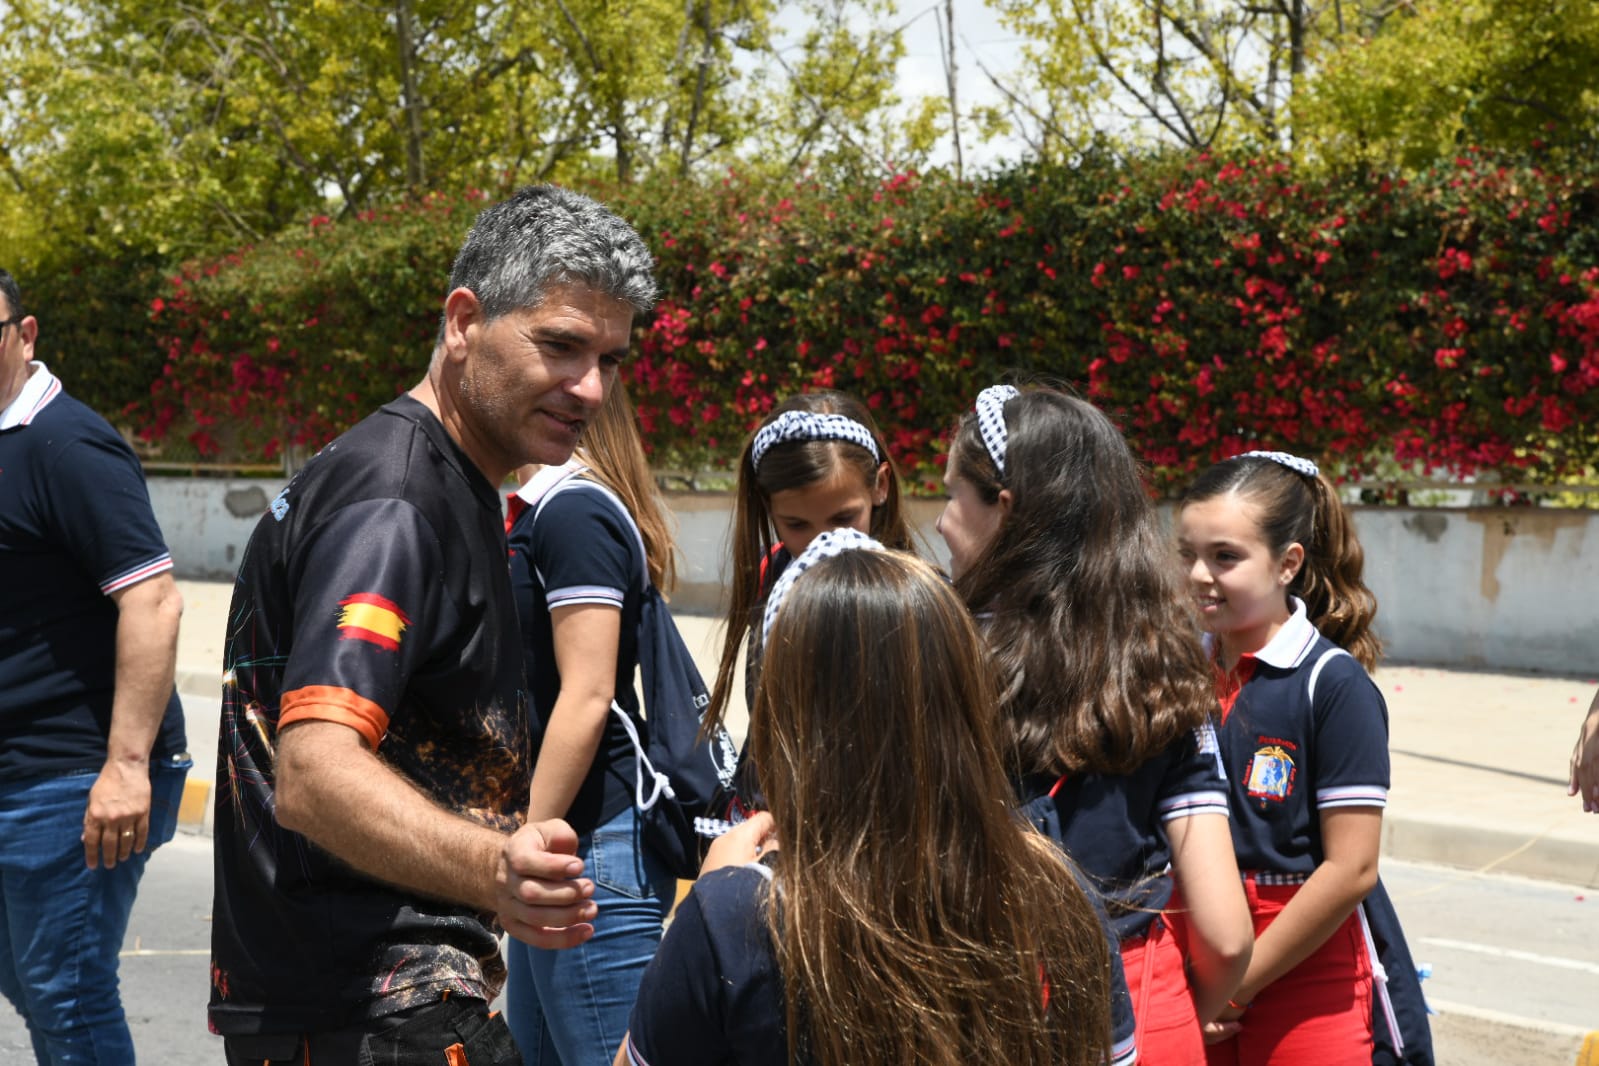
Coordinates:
<point>372,618</point>
<point>1271,771</point>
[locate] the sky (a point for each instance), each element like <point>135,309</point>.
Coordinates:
<point>978,35</point>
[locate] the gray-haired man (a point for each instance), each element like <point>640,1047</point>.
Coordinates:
<point>374,747</point>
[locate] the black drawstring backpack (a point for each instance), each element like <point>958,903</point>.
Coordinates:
<point>679,781</point>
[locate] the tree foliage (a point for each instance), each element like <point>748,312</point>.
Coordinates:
<point>1444,75</point>
<point>1194,73</point>
<point>177,128</point>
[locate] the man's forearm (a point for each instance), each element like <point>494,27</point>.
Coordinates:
<point>333,790</point>
<point>147,650</point>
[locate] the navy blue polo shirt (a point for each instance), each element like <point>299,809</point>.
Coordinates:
<point>713,993</point>
<point>583,550</point>
<point>1112,825</point>
<point>1289,756</point>
<point>75,527</point>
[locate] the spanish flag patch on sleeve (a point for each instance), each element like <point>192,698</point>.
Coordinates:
<point>372,618</point>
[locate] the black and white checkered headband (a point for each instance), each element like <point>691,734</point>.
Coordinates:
<point>809,425</point>
<point>991,420</point>
<point>1292,462</point>
<point>825,546</point>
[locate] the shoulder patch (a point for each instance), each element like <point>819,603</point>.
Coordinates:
<point>280,504</point>
<point>372,618</point>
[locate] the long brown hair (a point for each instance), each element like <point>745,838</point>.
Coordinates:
<point>786,466</point>
<point>614,452</point>
<point>914,909</point>
<point>1098,651</point>
<point>1292,508</point>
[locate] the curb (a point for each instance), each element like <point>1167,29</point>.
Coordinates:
<point>1543,857</point>
<point>194,812</point>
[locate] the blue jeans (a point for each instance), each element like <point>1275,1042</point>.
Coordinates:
<point>61,923</point>
<point>570,1008</point>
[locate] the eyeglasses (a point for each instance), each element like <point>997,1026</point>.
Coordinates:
<point>15,320</point>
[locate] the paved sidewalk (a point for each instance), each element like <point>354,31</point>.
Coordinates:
<point>1479,760</point>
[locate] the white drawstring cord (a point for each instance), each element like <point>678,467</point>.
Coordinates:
<point>642,767</point>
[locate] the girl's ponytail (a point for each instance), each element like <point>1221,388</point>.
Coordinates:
<point>1331,583</point>
<point>750,546</point>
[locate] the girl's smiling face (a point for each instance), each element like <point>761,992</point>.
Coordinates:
<point>1239,584</point>
<point>837,501</point>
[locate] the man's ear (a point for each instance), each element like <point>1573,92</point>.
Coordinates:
<point>28,330</point>
<point>462,310</point>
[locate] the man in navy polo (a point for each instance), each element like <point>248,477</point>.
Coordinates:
<point>92,758</point>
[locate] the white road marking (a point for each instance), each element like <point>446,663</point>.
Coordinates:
<point>1511,953</point>
<point>1499,1017</point>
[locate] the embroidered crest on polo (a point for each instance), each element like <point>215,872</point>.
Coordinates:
<point>810,425</point>
<point>1292,462</point>
<point>991,420</point>
<point>825,546</point>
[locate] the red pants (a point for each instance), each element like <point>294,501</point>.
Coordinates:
<point>1163,1005</point>
<point>1319,1012</point>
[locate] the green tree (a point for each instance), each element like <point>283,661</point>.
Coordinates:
<point>1449,73</point>
<point>1197,73</point>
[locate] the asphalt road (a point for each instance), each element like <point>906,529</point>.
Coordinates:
<point>1515,963</point>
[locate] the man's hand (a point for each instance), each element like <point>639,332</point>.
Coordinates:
<point>542,897</point>
<point>117,822</point>
<point>1585,761</point>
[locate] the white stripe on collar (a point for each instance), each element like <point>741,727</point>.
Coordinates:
<point>1289,647</point>
<point>547,478</point>
<point>40,388</point>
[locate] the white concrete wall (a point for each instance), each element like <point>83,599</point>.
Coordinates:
<point>1486,587</point>
<point>1496,588</point>
<point>207,521</point>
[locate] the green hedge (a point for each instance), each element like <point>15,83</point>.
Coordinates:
<point>1450,321</point>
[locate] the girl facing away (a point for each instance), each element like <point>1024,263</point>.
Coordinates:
<point>1106,698</point>
<point>1274,567</point>
<point>580,549</point>
<point>909,915</point>
<point>817,462</point>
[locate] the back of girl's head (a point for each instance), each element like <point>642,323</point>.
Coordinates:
<point>915,908</point>
<point>614,452</point>
<point>787,466</point>
<point>1292,507</point>
<point>872,672</point>
<point>1090,627</point>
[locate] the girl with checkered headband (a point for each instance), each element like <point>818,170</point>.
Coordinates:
<point>904,914</point>
<point>1274,570</point>
<point>816,462</point>
<point>1107,708</point>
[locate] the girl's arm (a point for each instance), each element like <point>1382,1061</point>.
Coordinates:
<point>1351,838</point>
<point>1206,872</point>
<point>586,638</point>
<point>1585,760</point>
